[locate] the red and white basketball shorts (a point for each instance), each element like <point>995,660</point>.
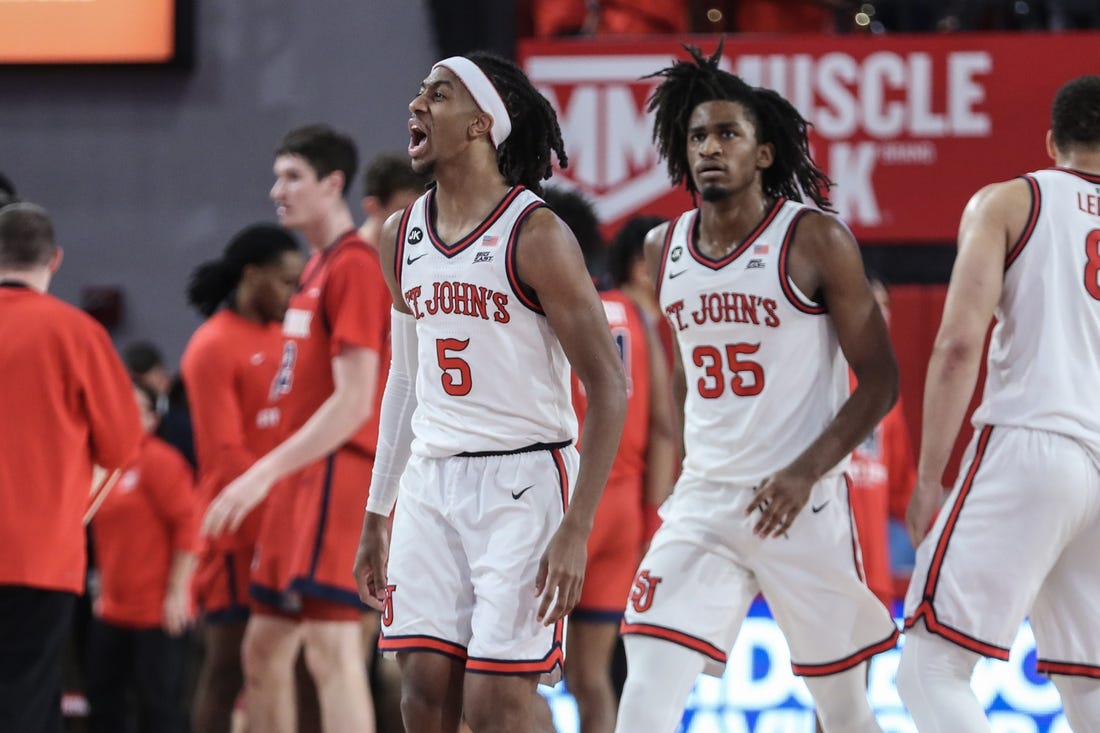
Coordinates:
<point>705,566</point>
<point>468,534</point>
<point>1018,536</point>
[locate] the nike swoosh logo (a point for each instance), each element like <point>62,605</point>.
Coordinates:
<point>410,260</point>
<point>678,273</point>
<point>816,509</point>
<point>521,492</point>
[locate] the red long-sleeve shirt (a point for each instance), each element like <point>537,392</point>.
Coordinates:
<point>66,403</point>
<point>149,516</point>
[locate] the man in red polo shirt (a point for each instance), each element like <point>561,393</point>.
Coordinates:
<point>67,405</point>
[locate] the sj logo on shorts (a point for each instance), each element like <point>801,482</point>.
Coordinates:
<point>387,606</point>
<point>645,585</point>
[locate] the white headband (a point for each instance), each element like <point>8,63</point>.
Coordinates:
<point>484,93</point>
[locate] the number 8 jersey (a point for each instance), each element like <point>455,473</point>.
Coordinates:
<point>765,374</point>
<point>1044,355</point>
<point>492,374</point>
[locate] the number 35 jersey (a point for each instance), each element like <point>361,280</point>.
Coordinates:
<point>492,375</point>
<point>764,370</point>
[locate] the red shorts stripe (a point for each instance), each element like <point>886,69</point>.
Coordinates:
<point>926,612</point>
<point>1045,666</point>
<point>676,637</point>
<point>421,644</point>
<point>563,478</point>
<point>517,667</point>
<point>841,665</point>
<point>953,518</point>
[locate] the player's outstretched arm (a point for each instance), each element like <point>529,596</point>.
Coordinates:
<point>992,220</point>
<point>549,260</point>
<point>825,261</point>
<point>394,434</point>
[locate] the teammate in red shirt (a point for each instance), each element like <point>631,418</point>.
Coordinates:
<point>145,536</point>
<point>641,479</point>
<point>328,387</point>
<point>229,367</point>
<point>67,406</point>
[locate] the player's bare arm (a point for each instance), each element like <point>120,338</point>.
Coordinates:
<point>991,222</point>
<point>549,260</point>
<point>654,249</point>
<point>373,553</point>
<point>661,450</point>
<point>825,263</point>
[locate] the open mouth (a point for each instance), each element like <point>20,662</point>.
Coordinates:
<point>418,138</point>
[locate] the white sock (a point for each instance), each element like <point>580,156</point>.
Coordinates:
<point>1080,701</point>
<point>659,679</point>
<point>841,702</point>
<point>934,683</point>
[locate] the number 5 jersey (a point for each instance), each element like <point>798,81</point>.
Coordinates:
<point>492,375</point>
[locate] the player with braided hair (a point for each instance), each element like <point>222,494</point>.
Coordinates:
<point>767,299</point>
<point>492,307</point>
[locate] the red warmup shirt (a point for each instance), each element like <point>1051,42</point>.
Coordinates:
<point>65,403</point>
<point>342,300</point>
<point>229,369</point>
<point>149,516</point>
<point>882,474</point>
<point>629,332</point>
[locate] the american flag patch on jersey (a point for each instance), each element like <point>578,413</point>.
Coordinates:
<point>760,249</point>
<point>489,240</point>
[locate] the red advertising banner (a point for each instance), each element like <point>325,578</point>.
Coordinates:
<point>907,126</point>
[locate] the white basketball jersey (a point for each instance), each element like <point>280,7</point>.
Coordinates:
<point>765,374</point>
<point>492,375</point>
<point>1044,356</point>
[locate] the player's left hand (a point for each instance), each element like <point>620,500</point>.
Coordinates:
<point>561,573</point>
<point>235,501</point>
<point>177,611</point>
<point>927,498</point>
<point>779,499</point>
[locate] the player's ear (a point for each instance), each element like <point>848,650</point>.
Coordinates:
<point>335,181</point>
<point>1052,149</point>
<point>765,155</point>
<point>55,261</point>
<point>481,125</point>
<point>372,206</point>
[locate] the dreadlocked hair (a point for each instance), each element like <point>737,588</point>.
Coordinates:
<point>524,158</point>
<point>687,84</point>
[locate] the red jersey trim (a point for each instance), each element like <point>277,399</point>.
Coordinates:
<point>414,643</point>
<point>522,291</point>
<point>664,253</point>
<point>702,259</point>
<point>399,244</point>
<point>1048,667</point>
<point>1090,177</point>
<point>793,298</point>
<point>926,609</point>
<point>676,637</point>
<point>450,250</point>
<point>841,665</point>
<point>1032,220</point>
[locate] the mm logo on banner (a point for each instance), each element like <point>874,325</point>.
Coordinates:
<point>600,101</point>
